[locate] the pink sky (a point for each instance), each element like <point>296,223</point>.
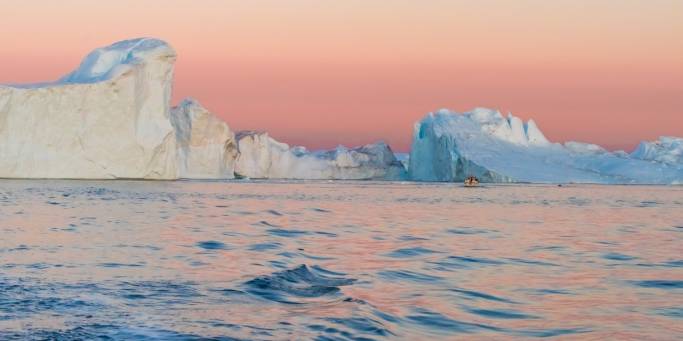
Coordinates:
<point>321,73</point>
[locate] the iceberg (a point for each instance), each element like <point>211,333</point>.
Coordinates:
<point>111,118</point>
<point>206,147</point>
<point>107,119</point>
<point>449,146</point>
<point>667,149</point>
<point>403,158</point>
<point>262,157</point>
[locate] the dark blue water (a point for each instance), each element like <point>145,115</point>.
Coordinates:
<point>85,260</point>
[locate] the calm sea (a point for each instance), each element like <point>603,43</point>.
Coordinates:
<point>88,260</point>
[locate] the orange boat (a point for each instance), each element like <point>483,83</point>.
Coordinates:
<point>471,181</point>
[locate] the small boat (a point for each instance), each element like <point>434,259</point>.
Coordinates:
<point>471,181</point>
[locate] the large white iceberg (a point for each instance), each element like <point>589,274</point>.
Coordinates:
<point>107,119</point>
<point>261,156</point>
<point>449,146</point>
<point>111,118</point>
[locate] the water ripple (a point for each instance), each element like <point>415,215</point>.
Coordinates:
<point>287,233</point>
<point>410,252</point>
<point>660,284</point>
<point>618,256</point>
<point>500,314</point>
<point>300,282</point>
<point>438,322</point>
<point>481,295</point>
<point>406,275</point>
<point>212,245</point>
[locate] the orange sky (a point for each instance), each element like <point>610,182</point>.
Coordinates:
<point>321,73</point>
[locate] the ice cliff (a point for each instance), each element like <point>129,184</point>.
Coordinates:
<point>208,149</point>
<point>111,118</point>
<point>667,149</point>
<point>206,146</point>
<point>107,119</point>
<point>449,146</point>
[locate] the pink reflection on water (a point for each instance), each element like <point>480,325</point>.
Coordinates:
<point>541,254</point>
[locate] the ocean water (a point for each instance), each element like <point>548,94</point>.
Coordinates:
<point>88,260</point>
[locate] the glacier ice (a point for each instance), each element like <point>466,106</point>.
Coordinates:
<point>107,119</point>
<point>667,149</point>
<point>115,60</point>
<point>111,118</point>
<point>403,158</point>
<point>261,157</point>
<point>584,148</point>
<point>206,146</point>
<point>449,146</point>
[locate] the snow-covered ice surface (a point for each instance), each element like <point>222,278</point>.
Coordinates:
<point>107,119</point>
<point>112,61</point>
<point>449,146</point>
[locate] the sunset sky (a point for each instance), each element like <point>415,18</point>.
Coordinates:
<point>322,73</point>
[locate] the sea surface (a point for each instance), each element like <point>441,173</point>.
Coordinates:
<point>155,260</point>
